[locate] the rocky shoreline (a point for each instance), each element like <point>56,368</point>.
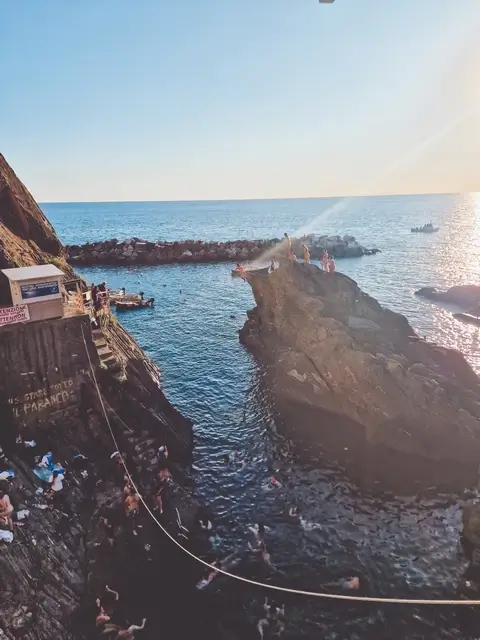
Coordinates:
<point>60,558</point>
<point>138,251</point>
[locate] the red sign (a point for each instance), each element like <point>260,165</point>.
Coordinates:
<point>10,315</point>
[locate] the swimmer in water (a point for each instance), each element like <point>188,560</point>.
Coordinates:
<point>352,583</point>
<point>274,615</point>
<point>259,533</point>
<point>210,576</point>
<point>275,483</point>
<point>294,513</point>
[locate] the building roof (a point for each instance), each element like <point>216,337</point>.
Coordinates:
<point>31,273</point>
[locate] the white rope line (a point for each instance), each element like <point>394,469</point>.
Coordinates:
<point>272,587</point>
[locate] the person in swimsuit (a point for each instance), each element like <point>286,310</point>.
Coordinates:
<point>325,260</point>
<point>132,504</point>
<point>306,254</point>
<point>6,510</point>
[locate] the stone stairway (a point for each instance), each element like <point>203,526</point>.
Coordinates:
<point>107,359</point>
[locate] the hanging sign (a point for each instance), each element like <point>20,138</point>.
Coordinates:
<point>11,315</point>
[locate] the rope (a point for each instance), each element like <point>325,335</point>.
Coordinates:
<point>272,587</point>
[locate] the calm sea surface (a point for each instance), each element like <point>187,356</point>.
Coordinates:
<point>400,547</point>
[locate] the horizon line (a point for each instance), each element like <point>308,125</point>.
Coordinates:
<point>190,200</point>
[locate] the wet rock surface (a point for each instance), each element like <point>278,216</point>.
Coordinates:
<point>356,377</point>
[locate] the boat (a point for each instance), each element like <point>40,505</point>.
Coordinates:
<point>131,305</point>
<point>427,228</point>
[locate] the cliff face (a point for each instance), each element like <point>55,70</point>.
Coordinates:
<point>59,559</point>
<point>26,236</point>
<point>355,377</point>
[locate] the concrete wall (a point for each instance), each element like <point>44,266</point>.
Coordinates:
<point>42,366</point>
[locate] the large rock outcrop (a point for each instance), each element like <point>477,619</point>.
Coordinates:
<point>355,377</point>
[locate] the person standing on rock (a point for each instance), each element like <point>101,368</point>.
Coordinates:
<point>325,260</point>
<point>288,244</point>
<point>6,510</point>
<point>331,265</point>
<point>306,254</point>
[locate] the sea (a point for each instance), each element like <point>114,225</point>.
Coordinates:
<point>400,547</point>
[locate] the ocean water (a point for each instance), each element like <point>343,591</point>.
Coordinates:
<point>399,546</point>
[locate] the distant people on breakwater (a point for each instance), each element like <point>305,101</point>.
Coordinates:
<point>288,244</point>
<point>325,260</point>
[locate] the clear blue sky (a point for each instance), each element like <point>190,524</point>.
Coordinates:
<point>211,99</point>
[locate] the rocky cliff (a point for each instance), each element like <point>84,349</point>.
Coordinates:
<point>26,236</point>
<point>59,559</point>
<point>355,377</point>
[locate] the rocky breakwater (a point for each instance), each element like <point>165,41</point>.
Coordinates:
<point>395,410</point>
<point>137,251</point>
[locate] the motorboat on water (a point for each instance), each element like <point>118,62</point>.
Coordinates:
<point>427,228</point>
<point>131,305</point>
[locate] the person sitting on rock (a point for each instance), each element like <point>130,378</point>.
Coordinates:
<point>163,452</point>
<point>127,489</point>
<point>56,484</point>
<point>325,260</point>
<point>132,503</point>
<point>163,474</point>
<point>288,243</point>
<point>306,254</point>
<point>6,510</point>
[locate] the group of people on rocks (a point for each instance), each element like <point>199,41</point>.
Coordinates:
<point>107,609</point>
<point>328,262</point>
<point>98,294</point>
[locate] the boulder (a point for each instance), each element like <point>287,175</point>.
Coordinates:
<point>467,295</point>
<point>364,381</point>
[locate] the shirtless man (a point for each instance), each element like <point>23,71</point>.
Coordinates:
<point>6,510</point>
<point>132,503</point>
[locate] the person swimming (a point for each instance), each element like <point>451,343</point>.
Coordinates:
<point>294,513</point>
<point>211,575</point>
<point>258,531</point>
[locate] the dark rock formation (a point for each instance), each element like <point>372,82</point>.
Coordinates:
<point>355,377</point>
<point>26,236</point>
<point>137,251</point>
<point>466,295</point>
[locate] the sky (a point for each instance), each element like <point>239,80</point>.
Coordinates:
<point>108,100</point>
